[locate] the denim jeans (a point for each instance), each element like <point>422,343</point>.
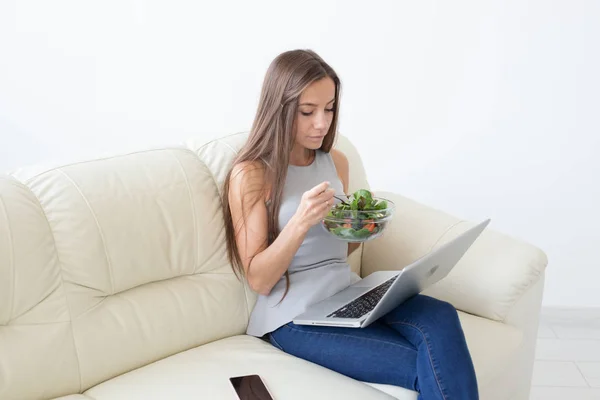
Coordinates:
<point>420,345</point>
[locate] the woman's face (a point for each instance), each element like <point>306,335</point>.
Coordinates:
<point>315,113</point>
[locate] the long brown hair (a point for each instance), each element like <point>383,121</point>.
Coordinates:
<point>272,137</point>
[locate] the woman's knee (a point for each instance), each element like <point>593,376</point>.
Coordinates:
<point>424,311</point>
<point>436,312</point>
<point>444,312</point>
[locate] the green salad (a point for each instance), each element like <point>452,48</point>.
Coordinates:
<point>359,217</point>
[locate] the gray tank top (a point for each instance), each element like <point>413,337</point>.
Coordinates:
<point>319,268</point>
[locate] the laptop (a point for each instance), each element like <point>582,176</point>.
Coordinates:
<point>361,304</point>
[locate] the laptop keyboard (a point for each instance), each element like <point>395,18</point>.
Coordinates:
<point>365,303</point>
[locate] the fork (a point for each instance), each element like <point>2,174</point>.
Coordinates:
<point>340,199</point>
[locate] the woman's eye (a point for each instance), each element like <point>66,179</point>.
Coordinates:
<point>306,114</point>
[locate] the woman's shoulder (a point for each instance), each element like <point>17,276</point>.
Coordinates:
<point>247,171</point>
<point>248,177</point>
<point>342,166</point>
<point>338,156</point>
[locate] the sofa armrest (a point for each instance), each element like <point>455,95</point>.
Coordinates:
<point>490,278</point>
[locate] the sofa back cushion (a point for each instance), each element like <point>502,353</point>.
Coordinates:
<point>108,265</point>
<point>37,352</point>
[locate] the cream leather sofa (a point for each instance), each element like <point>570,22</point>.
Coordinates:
<point>114,284</point>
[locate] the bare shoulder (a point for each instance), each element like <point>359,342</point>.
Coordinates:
<point>339,157</point>
<point>342,166</point>
<point>247,178</point>
<point>245,170</point>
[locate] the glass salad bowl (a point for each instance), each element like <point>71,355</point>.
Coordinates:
<point>360,218</point>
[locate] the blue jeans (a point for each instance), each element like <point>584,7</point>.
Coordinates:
<point>420,345</point>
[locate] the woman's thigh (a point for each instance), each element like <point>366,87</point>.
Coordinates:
<point>375,354</point>
<point>426,319</point>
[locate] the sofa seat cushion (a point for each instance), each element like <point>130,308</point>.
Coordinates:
<point>203,373</point>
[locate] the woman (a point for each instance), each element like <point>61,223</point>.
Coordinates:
<point>280,187</point>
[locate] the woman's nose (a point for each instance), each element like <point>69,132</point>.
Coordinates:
<point>320,121</point>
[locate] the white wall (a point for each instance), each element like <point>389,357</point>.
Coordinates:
<point>493,105</point>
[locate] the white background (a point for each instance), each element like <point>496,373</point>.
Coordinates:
<point>491,106</point>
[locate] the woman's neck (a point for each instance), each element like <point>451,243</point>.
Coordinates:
<point>302,156</point>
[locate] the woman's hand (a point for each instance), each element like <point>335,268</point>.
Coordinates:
<point>315,205</point>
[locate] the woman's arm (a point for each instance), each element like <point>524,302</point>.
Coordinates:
<point>343,169</point>
<point>265,264</point>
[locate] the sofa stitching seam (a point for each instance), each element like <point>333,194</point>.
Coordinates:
<point>12,261</point>
<point>62,279</point>
<point>89,206</point>
<point>454,225</point>
<point>194,215</point>
<point>522,293</point>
